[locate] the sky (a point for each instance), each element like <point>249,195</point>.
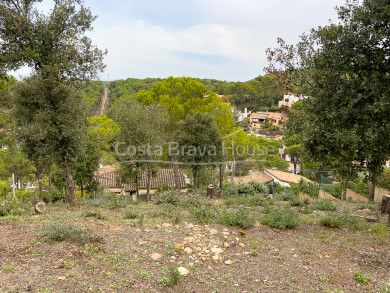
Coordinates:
<point>220,39</point>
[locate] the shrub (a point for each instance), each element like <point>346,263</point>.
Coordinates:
<point>324,205</point>
<point>260,188</point>
<point>337,221</point>
<point>239,218</point>
<point>193,200</point>
<point>60,230</point>
<point>169,197</point>
<point>110,202</point>
<point>297,202</point>
<point>281,218</point>
<point>130,214</point>
<point>204,215</point>
<point>16,207</point>
<point>245,188</point>
<point>96,214</point>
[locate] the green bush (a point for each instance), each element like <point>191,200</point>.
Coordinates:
<point>324,205</point>
<point>16,207</point>
<point>95,214</point>
<point>169,197</point>
<point>260,188</point>
<point>110,202</point>
<point>193,200</point>
<point>204,215</point>
<point>63,229</point>
<point>239,218</point>
<point>281,218</point>
<point>342,221</point>
<point>130,214</point>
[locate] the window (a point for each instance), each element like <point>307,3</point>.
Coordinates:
<point>286,100</point>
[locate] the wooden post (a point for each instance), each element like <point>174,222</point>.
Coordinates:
<point>13,185</point>
<point>384,207</point>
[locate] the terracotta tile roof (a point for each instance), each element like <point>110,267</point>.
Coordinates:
<point>163,176</point>
<point>106,169</point>
<point>254,176</point>
<point>285,176</point>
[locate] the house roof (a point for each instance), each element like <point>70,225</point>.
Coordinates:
<point>163,176</point>
<point>106,169</point>
<point>285,176</point>
<point>253,176</point>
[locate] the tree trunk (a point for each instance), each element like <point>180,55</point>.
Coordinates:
<point>194,177</point>
<point>221,170</point>
<point>384,207</point>
<point>344,190</point>
<point>136,181</point>
<point>149,182</point>
<point>295,165</point>
<point>82,189</point>
<point>40,184</point>
<point>176,174</point>
<point>371,195</point>
<point>49,187</point>
<point>71,187</point>
<point>232,177</point>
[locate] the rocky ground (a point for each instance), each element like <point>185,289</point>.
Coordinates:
<point>165,249</point>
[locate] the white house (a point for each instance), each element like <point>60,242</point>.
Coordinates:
<point>242,115</point>
<point>289,100</point>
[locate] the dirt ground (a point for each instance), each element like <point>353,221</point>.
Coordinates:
<point>309,258</point>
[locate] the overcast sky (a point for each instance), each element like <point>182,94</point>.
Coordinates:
<point>221,39</point>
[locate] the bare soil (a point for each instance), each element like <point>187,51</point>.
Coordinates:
<point>309,258</point>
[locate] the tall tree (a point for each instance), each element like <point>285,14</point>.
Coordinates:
<point>141,138</point>
<point>346,69</point>
<point>199,143</point>
<point>54,45</point>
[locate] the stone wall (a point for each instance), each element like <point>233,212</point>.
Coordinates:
<point>380,192</point>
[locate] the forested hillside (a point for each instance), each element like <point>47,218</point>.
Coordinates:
<point>260,93</point>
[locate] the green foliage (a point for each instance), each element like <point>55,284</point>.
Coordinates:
<point>95,214</point>
<point>173,279</point>
<point>342,221</point>
<point>252,188</point>
<point>362,279</point>
<point>93,91</point>
<point>281,218</point>
<point>63,229</point>
<point>111,202</point>
<point>131,214</point>
<point>169,197</point>
<point>204,215</point>
<point>16,207</point>
<point>324,205</point>
<point>239,218</point>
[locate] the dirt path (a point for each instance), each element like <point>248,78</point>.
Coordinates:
<point>104,103</point>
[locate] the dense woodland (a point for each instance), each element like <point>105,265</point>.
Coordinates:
<point>259,94</point>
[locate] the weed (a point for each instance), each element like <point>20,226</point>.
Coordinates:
<point>169,197</point>
<point>382,232</point>
<point>281,218</point>
<point>131,214</point>
<point>240,218</point>
<point>96,214</point>
<point>254,252</point>
<point>385,288</point>
<point>294,279</point>
<point>62,229</point>
<point>324,205</point>
<point>362,279</point>
<point>297,202</point>
<point>204,215</point>
<point>337,221</point>
<point>8,268</point>
<point>372,206</point>
<point>173,279</point>
<point>324,280</point>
